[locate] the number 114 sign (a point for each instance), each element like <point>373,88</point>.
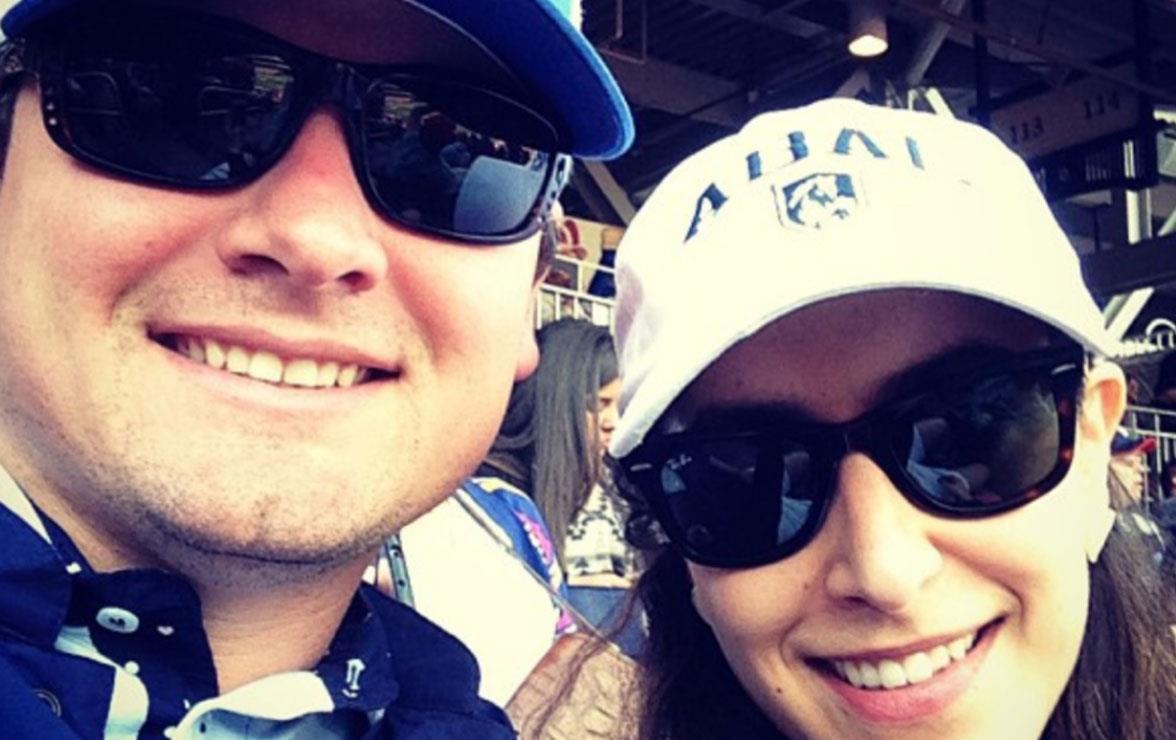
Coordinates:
<point>1080,112</point>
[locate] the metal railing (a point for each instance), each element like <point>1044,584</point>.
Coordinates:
<point>1160,425</point>
<point>574,300</point>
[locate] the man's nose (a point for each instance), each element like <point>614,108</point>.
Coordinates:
<point>882,554</point>
<point>307,220</point>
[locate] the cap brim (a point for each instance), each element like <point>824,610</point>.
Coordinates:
<point>536,42</point>
<point>699,334</point>
<point>533,40</point>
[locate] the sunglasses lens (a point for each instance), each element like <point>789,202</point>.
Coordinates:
<point>200,105</point>
<point>985,447</point>
<point>455,159</point>
<point>738,500</point>
<point>967,449</point>
<point>197,112</point>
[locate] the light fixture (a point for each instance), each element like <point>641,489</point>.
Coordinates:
<point>867,28</point>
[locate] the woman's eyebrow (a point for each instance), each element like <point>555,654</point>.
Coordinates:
<point>954,361</point>
<point>734,416</point>
<point>744,415</point>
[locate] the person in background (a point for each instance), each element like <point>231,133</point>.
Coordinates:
<point>576,387</point>
<point>1129,461</point>
<point>871,273</point>
<point>1132,493</point>
<point>235,354</point>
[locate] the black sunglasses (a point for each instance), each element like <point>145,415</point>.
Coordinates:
<point>978,443</point>
<point>198,102</point>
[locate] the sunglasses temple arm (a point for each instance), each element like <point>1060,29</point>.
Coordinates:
<point>13,59</point>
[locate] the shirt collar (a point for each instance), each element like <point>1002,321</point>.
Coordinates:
<point>383,652</point>
<point>35,583</point>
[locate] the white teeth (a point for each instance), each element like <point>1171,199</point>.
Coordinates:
<point>214,354</point>
<point>959,647</point>
<point>852,673</point>
<point>269,367</point>
<point>265,366</point>
<point>328,373</point>
<point>195,351</point>
<point>347,376</point>
<point>237,361</point>
<point>870,676</point>
<point>940,658</point>
<point>917,668</point>
<point>893,673</point>
<point>303,373</point>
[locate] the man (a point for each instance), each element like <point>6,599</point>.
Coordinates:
<point>245,337</point>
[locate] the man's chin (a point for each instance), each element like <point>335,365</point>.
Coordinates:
<point>210,552</point>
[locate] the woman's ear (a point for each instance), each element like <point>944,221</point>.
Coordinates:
<point>1104,402</point>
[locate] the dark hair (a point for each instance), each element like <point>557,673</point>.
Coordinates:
<point>545,445</point>
<point>9,91</point>
<point>1123,687</point>
<point>513,451</point>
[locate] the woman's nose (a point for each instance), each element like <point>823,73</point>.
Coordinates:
<point>882,553</point>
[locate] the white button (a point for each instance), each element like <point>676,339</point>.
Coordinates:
<point>118,620</point>
<point>73,568</point>
<point>132,667</point>
<point>166,630</point>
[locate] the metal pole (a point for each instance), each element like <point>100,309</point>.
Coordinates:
<point>980,63</point>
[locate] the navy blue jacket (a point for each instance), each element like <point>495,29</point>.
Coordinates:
<point>104,655</point>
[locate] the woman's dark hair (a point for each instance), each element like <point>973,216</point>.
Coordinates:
<point>545,445</point>
<point>9,91</point>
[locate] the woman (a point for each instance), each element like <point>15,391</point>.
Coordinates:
<point>874,460</point>
<point>560,434</point>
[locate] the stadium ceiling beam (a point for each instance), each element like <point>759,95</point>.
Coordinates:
<point>1044,53</point>
<point>778,18</point>
<point>929,44</point>
<point>612,190</point>
<point>674,89</point>
<point>1132,270</point>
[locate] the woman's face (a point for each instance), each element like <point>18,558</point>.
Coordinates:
<point>603,419</point>
<point>887,587</point>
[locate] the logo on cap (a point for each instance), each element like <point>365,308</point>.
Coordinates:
<point>817,201</point>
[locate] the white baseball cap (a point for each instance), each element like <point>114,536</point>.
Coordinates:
<point>835,198</point>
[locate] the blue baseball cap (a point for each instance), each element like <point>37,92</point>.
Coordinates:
<point>536,40</point>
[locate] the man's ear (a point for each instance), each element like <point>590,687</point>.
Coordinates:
<point>528,354</point>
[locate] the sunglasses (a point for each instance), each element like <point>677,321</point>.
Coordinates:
<point>202,103</point>
<point>980,442</point>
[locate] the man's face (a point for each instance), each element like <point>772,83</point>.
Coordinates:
<point>124,439</point>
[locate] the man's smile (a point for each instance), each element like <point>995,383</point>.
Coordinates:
<point>286,365</point>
